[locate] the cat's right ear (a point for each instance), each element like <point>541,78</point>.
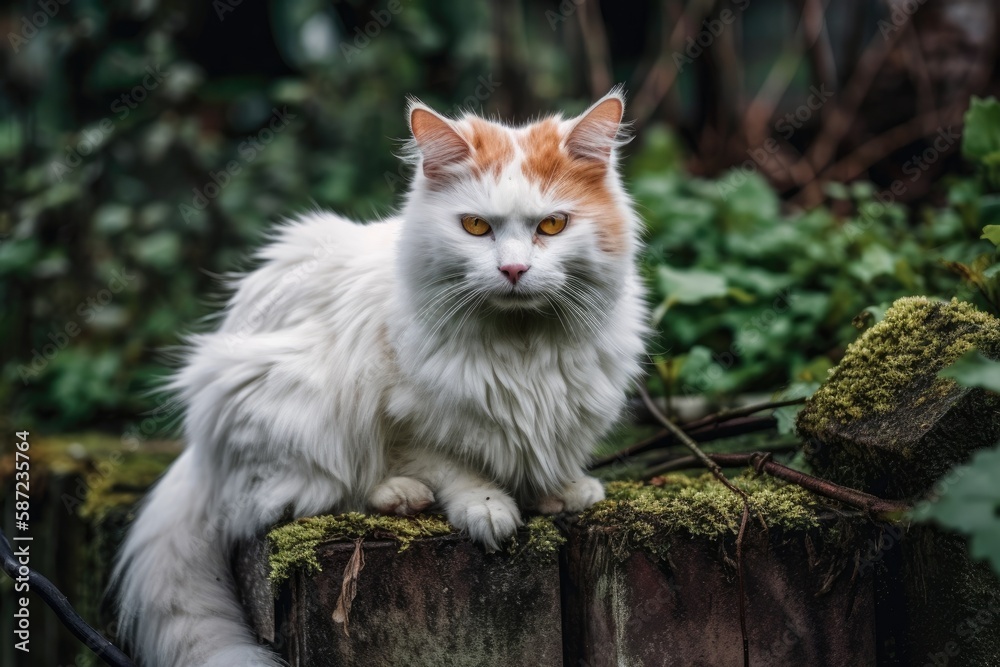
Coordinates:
<point>441,147</point>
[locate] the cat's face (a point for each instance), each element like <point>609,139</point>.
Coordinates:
<point>526,218</point>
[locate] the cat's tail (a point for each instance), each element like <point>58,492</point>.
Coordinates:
<point>177,600</point>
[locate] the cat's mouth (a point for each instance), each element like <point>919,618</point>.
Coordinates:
<point>518,299</point>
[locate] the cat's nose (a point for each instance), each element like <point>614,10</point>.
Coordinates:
<point>513,272</point>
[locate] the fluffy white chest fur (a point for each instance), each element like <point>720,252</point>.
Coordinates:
<point>466,355</point>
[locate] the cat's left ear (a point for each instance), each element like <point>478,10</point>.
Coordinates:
<point>596,131</point>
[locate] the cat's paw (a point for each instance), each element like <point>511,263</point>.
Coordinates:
<point>488,516</point>
<point>403,496</point>
<point>576,496</point>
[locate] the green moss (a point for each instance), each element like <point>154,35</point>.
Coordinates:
<point>885,421</point>
<point>293,545</point>
<point>644,516</point>
<point>538,541</point>
<point>123,483</point>
<point>918,338</point>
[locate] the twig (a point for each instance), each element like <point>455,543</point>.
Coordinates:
<point>659,465</point>
<point>714,468</point>
<point>762,463</point>
<point>884,144</point>
<point>732,413</point>
<point>840,119</point>
<point>68,616</point>
<point>595,42</point>
<point>664,438</point>
<point>663,74</point>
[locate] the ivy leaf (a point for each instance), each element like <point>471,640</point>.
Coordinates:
<point>969,502</point>
<point>992,234</point>
<point>975,370</point>
<point>687,286</point>
<point>981,139</point>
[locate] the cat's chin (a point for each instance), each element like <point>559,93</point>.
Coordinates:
<point>518,301</point>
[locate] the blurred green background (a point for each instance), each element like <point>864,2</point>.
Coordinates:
<point>146,146</point>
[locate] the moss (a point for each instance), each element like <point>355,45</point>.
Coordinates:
<point>884,421</point>
<point>293,545</point>
<point>102,472</point>
<point>918,338</point>
<point>123,484</point>
<point>538,541</point>
<point>647,516</point>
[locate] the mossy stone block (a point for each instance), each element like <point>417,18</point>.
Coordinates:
<point>884,421</point>
<point>650,578</point>
<point>417,593</point>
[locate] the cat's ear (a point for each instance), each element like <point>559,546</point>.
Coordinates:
<point>595,132</point>
<point>441,146</point>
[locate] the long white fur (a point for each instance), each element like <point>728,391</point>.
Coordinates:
<point>382,365</point>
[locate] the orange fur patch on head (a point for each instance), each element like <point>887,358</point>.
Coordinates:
<point>583,180</point>
<point>492,148</point>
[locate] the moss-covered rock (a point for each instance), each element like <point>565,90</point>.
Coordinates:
<point>884,421</point>
<point>648,516</point>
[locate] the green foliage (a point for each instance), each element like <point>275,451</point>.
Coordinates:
<point>750,298</point>
<point>981,140</point>
<point>171,193</point>
<point>975,370</point>
<point>969,502</point>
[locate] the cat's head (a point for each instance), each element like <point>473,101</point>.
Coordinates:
<point>518,218</point>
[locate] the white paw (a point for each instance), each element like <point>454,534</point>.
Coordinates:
<point>401,495</point>
<point>575,496</point>
<point>488,515</point>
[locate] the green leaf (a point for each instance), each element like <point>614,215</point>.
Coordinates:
<point>969,501</point>
<point>875,261</point>
<point>992,234</point>
<point>975,370</point>
<point>981,138</point>
<point>690,285</point>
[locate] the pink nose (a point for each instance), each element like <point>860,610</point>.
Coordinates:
<point>513,272</point>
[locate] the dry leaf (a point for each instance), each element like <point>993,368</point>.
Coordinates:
<point>349,587</point>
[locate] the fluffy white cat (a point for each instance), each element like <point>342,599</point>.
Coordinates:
<point>466,355</point>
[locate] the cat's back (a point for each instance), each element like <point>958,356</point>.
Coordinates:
<point>314,269</point>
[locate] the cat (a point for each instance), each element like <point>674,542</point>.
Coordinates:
<point>465,356</point>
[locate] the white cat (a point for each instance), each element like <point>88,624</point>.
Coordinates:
<point>466,355</point>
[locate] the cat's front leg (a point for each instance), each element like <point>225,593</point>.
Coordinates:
<point>403,496</point>
<point>470,501</point>
<point>575,496</point>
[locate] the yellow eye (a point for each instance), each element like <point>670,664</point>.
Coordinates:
<point>552,225</point>
<point>475,225</point>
